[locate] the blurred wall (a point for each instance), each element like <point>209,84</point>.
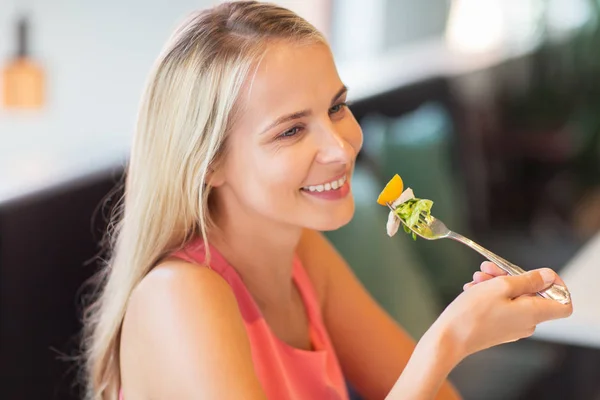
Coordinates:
<point>97,55</point>
<point>407,21</point>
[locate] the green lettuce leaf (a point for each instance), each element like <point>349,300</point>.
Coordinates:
<point>410,210</point>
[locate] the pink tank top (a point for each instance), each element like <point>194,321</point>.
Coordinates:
<point>285,372</point>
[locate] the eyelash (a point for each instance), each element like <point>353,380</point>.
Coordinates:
<point>341,106</point>
<point>285,135</point>
<point>297,129</point>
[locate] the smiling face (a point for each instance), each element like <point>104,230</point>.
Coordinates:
<point>291,152</point>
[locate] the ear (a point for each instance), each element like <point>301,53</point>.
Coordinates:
<point>215,177</point>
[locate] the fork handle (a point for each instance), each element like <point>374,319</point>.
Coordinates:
<point>554,292</point>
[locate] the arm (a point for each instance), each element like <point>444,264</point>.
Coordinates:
<point>183,338</point>
<point>373,350</point>
<point>427,369</point>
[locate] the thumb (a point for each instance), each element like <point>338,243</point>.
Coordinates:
<point>531,282</point>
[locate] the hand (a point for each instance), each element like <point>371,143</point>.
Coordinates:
<point>500,310</point>
<point>488,271</point>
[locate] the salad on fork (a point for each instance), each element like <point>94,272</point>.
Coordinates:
<point>404,205</point>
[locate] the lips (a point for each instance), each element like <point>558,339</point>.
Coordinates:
<point>334,184</point>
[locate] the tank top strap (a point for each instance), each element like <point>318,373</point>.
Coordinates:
<point>307,290</point>
<point>195,253</point>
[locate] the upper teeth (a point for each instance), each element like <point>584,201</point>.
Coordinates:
<point>327,186</point>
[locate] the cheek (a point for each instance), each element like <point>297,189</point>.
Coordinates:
<point>285,171</point>
<point>354,135</point>
<point>272,179</point>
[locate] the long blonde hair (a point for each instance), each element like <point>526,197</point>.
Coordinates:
<point>184,116</point>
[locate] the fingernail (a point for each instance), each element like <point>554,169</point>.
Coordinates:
<point>547,275</point>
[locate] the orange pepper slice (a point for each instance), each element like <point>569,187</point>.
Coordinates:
<point>392,191</point>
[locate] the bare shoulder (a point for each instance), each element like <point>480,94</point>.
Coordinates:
<point>174,291</point>
<point>183,337</point>
<point>177,280</point>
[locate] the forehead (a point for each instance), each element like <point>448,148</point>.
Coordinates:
<point>290,77</point>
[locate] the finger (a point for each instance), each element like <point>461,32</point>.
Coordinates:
<point>557,279</point>
<point>544,309</point>
<point>492,269</point>
<point>479,277</point>
<point>468,285</point>
<point>529,282</point>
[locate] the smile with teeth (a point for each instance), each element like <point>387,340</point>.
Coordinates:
<point>333,185</point>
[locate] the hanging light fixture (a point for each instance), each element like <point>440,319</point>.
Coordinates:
<point>23,78</point>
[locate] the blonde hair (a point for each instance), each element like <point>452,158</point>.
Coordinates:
<point>184,117</point>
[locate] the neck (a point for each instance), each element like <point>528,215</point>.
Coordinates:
<point>260,250</point>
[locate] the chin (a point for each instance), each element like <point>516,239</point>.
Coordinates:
<point>328,220</point>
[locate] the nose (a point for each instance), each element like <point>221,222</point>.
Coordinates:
<point>334,148</point>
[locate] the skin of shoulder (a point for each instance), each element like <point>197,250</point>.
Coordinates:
<point>183,337</point>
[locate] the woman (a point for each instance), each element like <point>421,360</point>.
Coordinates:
<point>220,285</point>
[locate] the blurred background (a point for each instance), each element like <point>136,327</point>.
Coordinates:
<point>491,108</point>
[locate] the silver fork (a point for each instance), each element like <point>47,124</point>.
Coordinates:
<point>431,228</point>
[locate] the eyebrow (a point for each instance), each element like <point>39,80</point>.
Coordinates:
<point>301,114</point>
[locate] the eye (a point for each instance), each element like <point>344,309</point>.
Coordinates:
<point>289,133</point>
<point>337,108</point>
